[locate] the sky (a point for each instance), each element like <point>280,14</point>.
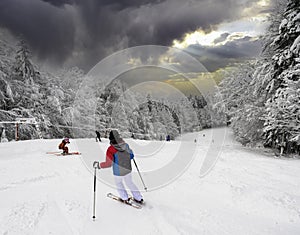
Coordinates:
<point>63,33</point>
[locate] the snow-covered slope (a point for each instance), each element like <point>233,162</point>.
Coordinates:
<point>247,192</point>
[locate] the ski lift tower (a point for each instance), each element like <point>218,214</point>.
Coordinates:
<point>19,121</point>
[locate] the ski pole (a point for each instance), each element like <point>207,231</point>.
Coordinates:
<point>140,174</point>
<point>94,206</point>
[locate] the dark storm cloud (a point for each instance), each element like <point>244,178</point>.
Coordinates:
<point>238,50</point>
<point>170,20</point>
<point>81,32</point>
<point>116,3</point>
<point>49,31</point>
<point>222,38</point>
<point>59,2</point>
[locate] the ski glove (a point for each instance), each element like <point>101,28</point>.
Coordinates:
<point>96,165</point>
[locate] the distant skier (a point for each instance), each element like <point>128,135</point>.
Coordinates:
<point>63,146</point>
<point>168,138</point>
<point>98,136</point>
<point>119,156</point>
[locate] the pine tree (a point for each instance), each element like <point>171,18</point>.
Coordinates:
<point>22,79</point>
<point>243,108</point>
<point>23,68</point>
<point>265,106</point>
<point>282,107</point>
<point>101,116</point>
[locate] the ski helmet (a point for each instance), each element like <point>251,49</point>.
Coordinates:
<point>67,140</point>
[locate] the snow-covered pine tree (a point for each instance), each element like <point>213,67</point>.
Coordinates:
<point>282,116</point>
<point>23,68</point>
<point>27,97</point>
<point>102,118</point>
<point>243,108</point>
<point>6,95</point>
<point>144,120</point>
<point>120,118</point>
<point>133,124</point>
<point>6,58</point>
<point>188,115</point>
<point>22,79</point>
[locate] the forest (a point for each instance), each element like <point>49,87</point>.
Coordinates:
<point>260,99</point>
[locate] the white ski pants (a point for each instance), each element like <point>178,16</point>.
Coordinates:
<point>129,183</point>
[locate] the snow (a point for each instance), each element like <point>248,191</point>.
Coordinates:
<point>295,47</point>
<point>283,24</point>
<point>247,192</point>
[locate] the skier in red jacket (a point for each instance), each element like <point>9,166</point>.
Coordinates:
<point>119,156</point>
<point>63,146</point>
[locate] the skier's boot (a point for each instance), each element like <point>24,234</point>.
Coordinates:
<point>139,201</point>
<point>125,201</point>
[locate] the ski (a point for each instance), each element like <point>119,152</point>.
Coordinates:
<point>53,152</point>
<point>130,203</point>
<point>63,154</point>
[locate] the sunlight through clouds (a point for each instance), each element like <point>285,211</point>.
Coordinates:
<point>251,27</point>
<point>198,37</point>
<point>251,24</point>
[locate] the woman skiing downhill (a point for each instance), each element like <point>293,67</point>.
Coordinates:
<point>119,156</point>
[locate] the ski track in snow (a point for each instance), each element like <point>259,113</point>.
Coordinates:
<point>26,181</point>
<point>247,192</point>
<point>23,218</point>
